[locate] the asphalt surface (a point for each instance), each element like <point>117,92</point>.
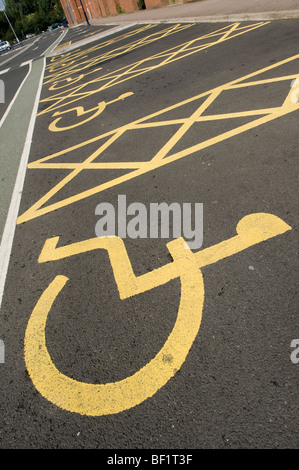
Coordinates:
<point>237,386</point>
<point>14,64</point>
<point>14,81</point>
<point>20,71</point>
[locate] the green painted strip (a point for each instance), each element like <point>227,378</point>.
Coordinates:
<point>13,136</point>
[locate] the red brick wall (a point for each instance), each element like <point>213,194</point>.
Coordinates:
<point>93,7</point>
<point>156,3</point>
<point>129,6</point>
<point>73,8</point>
<point>79,14</point>
<point>100,8</point>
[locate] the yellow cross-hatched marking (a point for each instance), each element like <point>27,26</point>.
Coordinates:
<point>68,63</point>
<point>62,79</point>
<point>114,397</point>
<point>165,155</point>
<point>77,54</point>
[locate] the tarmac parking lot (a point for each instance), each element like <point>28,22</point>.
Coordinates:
<point>135,341</point>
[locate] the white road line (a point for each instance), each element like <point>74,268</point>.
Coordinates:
<point>10,224</point>
<point>15,97</point>
<point>4,71</point>
<point>55,43</point>
<point>14,54</point>
<point>26,63</point>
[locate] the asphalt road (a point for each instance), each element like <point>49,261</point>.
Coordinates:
<point>20,71</point>
<point>96,358</point>
<point>33,49</point>
<point>14,64</point>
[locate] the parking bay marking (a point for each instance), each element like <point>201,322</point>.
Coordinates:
<point>163,156</point>
<point>110,398</point>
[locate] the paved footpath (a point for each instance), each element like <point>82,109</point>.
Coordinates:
<point>203,11</point>
<point>213,10</point>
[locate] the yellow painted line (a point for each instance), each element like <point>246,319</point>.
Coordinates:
<point>92,34</point>
<point>59,71</point>
<point>80,111</point>
<point>163,156</point>
<point>233,28</point>
<point>95,165</point>
<point>188,123</point>
<point>68,43</point>
<point>263,82</point>
<point>133,70</point>
<point>251,230</point>
<point>111,398</point>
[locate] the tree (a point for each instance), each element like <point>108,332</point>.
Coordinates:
<point>3,26</point>
<point>29,16</point>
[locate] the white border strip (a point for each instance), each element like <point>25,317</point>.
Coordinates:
<point>15,97</point>
<point>13,54</point>
<point>55,43</point>
<point>4,71</point>
<point>25,63</point>
<point>10,225</point>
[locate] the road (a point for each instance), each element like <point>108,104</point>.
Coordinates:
<point>140,341</point>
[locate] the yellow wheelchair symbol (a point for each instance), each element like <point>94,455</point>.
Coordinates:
<point>80,111</point>
<point>111,398</point>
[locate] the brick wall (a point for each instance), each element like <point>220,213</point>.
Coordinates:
<point>129,6</point>
<point>100,8</point>
<point>156,3</point>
